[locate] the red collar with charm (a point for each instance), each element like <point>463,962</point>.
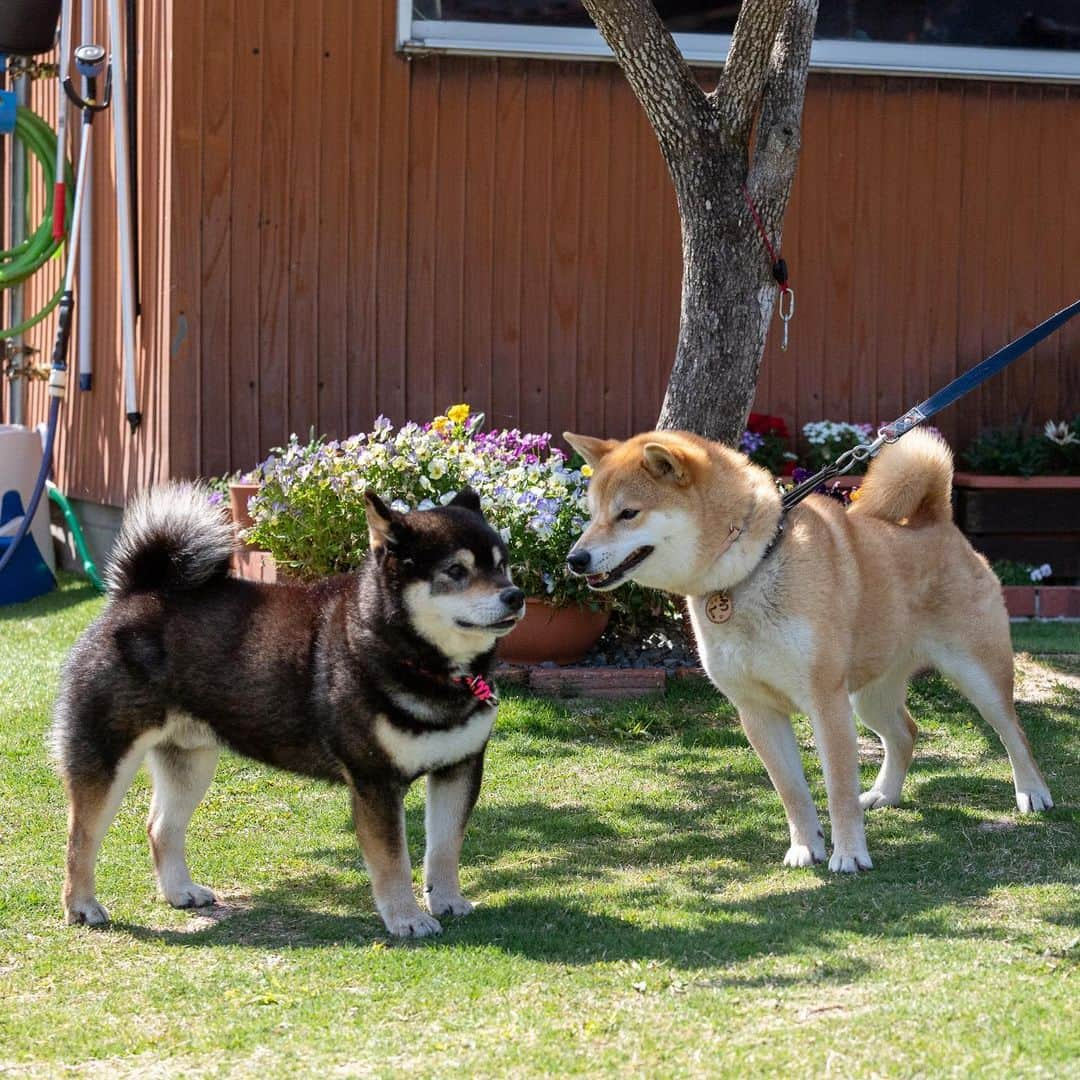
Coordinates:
<point>477,685</point>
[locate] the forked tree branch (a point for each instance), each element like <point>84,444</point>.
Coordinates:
<point>738,94</point>
<point>776,153</point>
<point>675,105</point>
<point>727,291</point>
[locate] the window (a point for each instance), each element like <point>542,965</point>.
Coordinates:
<point>1008,39</point>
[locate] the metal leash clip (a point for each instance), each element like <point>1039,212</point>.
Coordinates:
<point>786,312</point>
<point>863,452</point>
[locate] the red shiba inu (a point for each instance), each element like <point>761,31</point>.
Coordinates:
<point>828,613</point>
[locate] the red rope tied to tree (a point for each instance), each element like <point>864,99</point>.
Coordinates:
<point>779,268</point>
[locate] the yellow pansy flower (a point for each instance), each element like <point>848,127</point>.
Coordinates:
<point>458,413</point>
<point>441,424</point>
<point>586,470</point>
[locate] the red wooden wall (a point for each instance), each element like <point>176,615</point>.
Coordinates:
<point>348,232</point>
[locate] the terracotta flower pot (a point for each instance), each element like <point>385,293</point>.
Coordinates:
<point>560,634</point>
<point>238,501</point>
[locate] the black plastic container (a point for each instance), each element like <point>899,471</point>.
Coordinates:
<point>28,27</point>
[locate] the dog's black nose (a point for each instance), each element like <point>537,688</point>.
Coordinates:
<point>512,598</point>
<point>578,561</point>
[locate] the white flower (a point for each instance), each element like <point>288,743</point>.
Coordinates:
<point>1060,433</point>
<point>426,504</point>
<point>505,534</point>
<point>437,468</point>
<point>1039,573</point>
<point>447,497</point>
<point>400,505</point>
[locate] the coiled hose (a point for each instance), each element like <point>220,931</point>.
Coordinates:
<point>23,260</point>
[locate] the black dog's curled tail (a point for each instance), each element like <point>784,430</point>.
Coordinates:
<point>172,538</point>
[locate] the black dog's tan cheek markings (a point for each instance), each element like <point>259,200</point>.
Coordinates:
<point>443,586</point>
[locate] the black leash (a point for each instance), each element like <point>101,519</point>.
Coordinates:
<point>960,386</point>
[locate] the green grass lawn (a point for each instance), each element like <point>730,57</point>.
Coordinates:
<point>633,915</point>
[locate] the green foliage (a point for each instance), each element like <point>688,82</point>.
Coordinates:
<point>309,510</point>
<point>1017,573</point>
<point>1009,451</point>
<point>1018,451</point>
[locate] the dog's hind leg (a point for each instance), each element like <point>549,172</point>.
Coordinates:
<point>880,706</point>
<point>451,796</point>
<point>181,778</point>
<point>379,816</point>
<point>771,735</point>
<point>987,682</point>
<point>93,802</point>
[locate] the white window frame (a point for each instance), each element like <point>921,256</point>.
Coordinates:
<point>419,36</point>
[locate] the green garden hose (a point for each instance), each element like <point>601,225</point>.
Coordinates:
<point>89,568</point>
<point>23,260</point>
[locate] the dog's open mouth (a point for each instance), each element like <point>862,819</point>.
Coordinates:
<point>612,578</point>
<point>503,626</point>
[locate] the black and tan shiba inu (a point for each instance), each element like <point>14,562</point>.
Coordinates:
<point>370,679</point>
<point>829,615</point>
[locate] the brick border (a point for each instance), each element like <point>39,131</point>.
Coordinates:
<point>593,682</point>
<point>1042,601</point>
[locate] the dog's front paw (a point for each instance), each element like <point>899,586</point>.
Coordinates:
<point>191,895</point>
<point>804,855</point>
<point>874,799</point>
<point>412,923</point>
<point>1034,800</point>
<point>443,903</point>
<point>850,862</point>
<point>85,913</point>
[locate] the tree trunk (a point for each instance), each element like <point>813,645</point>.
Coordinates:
<point>728,291</point>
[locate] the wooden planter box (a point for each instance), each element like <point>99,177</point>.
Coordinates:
<point>1027,519</point>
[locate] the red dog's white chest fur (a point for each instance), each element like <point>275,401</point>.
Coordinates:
<point>754,657</point>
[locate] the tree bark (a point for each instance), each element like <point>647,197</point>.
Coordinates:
<point>728,291</point>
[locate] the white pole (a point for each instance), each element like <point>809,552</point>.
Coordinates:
<point>60,225</point>
<point>86,225</point>
<point>123,210</point>
<point>17,385</point>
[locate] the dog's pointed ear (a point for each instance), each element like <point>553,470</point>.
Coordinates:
<point>467,499</point>
<point>665,463</point>
<point>383,531</point>
<point>592,450</point>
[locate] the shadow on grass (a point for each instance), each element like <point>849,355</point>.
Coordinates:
<point>697,884</point>
<point>915,890</point>
<point>644,884</point>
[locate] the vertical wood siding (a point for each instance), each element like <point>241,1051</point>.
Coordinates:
<point>336,231</point>
<point>504,232</point>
